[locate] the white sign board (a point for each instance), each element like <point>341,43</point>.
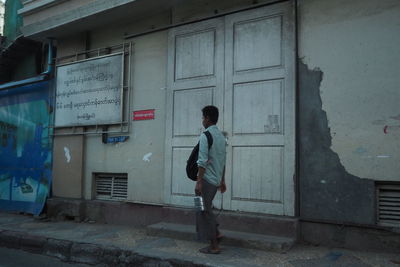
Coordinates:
<point>89,92</point>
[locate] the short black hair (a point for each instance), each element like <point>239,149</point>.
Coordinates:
<point>211,112</point>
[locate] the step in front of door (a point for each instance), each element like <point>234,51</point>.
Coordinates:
<point>233,238</point>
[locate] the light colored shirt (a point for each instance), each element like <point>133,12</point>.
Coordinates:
<point>213,160</point>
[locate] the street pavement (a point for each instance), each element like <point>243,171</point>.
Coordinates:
<point>19,258</point>
<point>121,245</point>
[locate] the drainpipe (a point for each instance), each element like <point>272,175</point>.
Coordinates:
<point>50,64</point>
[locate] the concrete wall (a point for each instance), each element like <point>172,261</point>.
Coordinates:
<point>68,165</point>
<point>348,93</point>
<point>191,10</point>
<point>68,150</point>
<point>355,45</point>
<point>48,10</point>
<point>145,178</point>
<point>60,18</point>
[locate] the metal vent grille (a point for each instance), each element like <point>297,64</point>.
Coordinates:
<point>111,186</point>
<point>389,205</point>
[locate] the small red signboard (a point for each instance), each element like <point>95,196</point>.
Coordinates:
<point>141,115</point>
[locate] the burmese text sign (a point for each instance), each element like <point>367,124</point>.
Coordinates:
<point>89,92</point>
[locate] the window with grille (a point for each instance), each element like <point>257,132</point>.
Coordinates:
<point>388,204</point>
<point>111,186</point>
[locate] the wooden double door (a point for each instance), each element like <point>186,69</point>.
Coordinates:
<point>244,64</point>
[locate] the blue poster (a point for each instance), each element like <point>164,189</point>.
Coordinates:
<point>26,114</point>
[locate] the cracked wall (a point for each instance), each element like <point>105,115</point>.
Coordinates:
<point>348,106</point>
<point>327,190</point>
<point>355,45</point>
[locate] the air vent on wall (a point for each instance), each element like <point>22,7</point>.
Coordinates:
<point>388,204</point>
<point>111,186</point>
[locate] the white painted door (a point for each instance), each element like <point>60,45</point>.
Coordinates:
<point>244,64</point>
<point>259,109</point>
<point>195,73</point>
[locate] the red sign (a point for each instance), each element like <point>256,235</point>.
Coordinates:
<point>141,115</point>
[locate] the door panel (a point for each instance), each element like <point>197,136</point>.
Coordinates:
<point>187,106</point>
<point>257,174</point>
<point>194,54</point>
<point>252,102</point>
<point>195,79</point>
<point>259,93</point>
<point>252,37</point>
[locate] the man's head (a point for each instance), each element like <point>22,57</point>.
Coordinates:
<point>210,116</point>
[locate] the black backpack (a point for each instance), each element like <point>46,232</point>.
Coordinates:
<point>191,164</point>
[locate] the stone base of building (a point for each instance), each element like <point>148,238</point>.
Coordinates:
<point>352,237</point>
<point>144,215</point>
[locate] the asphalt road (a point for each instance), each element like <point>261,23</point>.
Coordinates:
<point>19,258</point>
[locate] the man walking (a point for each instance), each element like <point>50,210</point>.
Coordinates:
<point>210,178</point>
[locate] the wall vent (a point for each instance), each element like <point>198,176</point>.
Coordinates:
<point>388,204</point>
<point>111,186</point>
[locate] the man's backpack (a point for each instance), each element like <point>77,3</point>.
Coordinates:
<point>191,164</point>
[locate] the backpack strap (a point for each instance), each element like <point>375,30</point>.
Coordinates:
<point>209,139</point>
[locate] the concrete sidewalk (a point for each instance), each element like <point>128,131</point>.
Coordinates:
<point>115,245</point>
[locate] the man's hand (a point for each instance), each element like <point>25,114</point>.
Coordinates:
<point>197,189</point>
<point>222,187</point>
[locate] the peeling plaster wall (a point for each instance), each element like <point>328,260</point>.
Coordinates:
<point>327,190</point>
<point>355,45</point>
<point>348,92</point>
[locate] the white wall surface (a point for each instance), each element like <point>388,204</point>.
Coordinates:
<point>142,156</point>
<point>356,46</point>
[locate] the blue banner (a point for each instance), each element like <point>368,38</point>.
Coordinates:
<point>26,114</point>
